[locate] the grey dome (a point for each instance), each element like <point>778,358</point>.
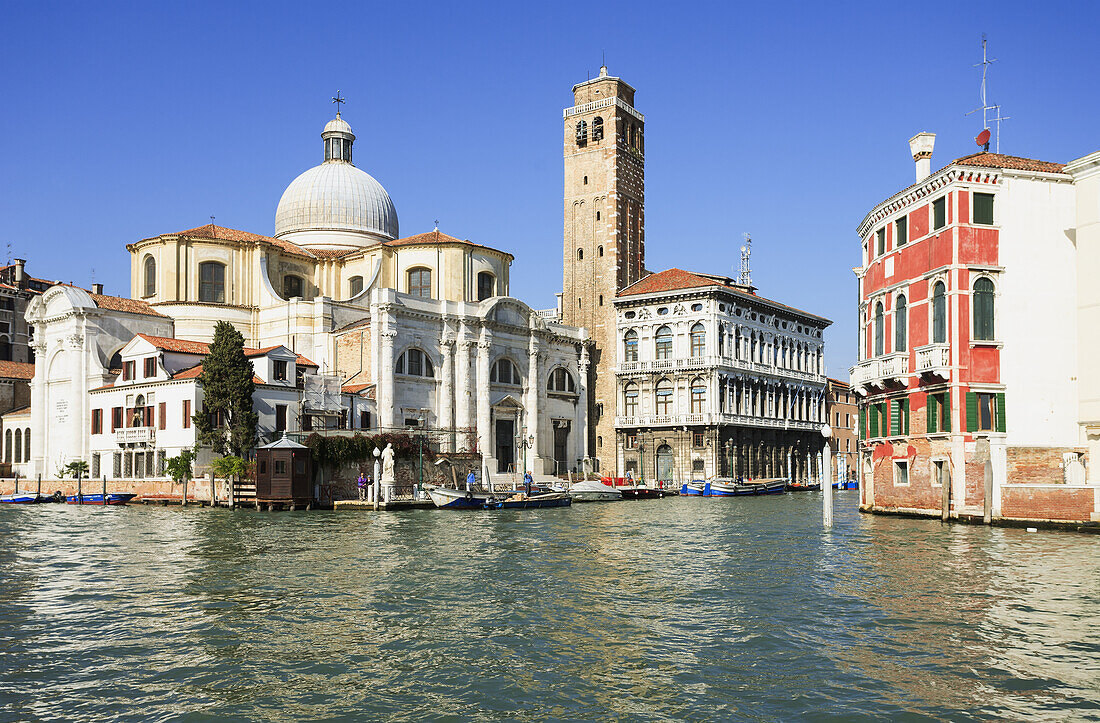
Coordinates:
<point>336,196</point>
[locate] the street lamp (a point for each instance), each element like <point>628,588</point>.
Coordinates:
<point>641,463</point>
<point>826,477</point>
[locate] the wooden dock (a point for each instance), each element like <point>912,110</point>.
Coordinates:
<point>406,504</point>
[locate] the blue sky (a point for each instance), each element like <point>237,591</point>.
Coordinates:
<point>787,121</point>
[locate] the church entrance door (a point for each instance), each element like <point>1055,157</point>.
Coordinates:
<point>664,463</point>
<point>561,447</point>
<point>506,445</point>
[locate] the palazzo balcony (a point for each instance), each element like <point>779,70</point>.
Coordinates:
<point>688,364</point>
<point>880,372</point>
<point>714,419</point>
<point>134,435</point>
<point>934,360</point>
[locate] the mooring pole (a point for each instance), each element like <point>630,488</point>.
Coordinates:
<point>826,478</point>
<point>38,490</point>
<point>104,490</point>
<point>79,490</point>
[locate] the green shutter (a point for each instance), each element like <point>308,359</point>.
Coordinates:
<point>874,421</point>
<point>1000,412</point>
<point>863,421</point>
<point>895,417</point>
<point>971,411</point>
<point>905,410</point>
<point>945,404</point>
<point>932,412</point>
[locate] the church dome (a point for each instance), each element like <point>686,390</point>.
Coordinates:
<point>336,197</point>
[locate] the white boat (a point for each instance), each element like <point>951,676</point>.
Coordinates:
<point>594,491</point>
<point>451,499</point>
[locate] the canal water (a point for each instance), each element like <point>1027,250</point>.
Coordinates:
<point>676,609</point>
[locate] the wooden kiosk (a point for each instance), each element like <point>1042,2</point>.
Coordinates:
<point>284,475</point>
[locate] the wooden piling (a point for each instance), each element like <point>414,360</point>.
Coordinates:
<point>104,490</point>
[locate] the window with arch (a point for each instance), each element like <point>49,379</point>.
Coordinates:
<point>662,343</point>
<point>698,395</point>
<point>662,402</point>
<point>212,282</point>
<point>880,329</point>
<point>939,313</point>
<point>580,254</point>
<point>581,133</point>
<point>7,446</point>
<point>630,400</point>
<point>633,134</point>
<point>599,250</point>
<point>561,381</point>
<point>630,346</point>
<point>901,324</point>
<point>420,283</point>
<point>597,128</point>
<point>983,309</point>
<point>415,363</point>
<point>18,446</point>
<point>26,445</point>
<point>504,371</point>
<point>137,413</point>
<point>292,286</point>
<point>698,341</point>
<point>355,285</point>
<point>486,285</point>
<point>5,349</point>
<point>150,271</point>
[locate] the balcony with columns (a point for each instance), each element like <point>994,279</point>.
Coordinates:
<point>879,373</point>
<point>934,360</point>
<point>689,364</point>
<point>714,418</point>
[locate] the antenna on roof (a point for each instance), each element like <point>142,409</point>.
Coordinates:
<point>746,251</point>
<point>211,220</point>
<point>986,107</point>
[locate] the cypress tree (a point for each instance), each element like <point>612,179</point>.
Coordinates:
<point>227,423</point>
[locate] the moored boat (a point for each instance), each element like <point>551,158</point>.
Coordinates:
<point>593,491</point>
<point>113,498</point>
<point>726,487</point>
<point>19,498</point>
<point>695,488</point>
<point>643,492</point>
<point>451,499</point>
<point>850,484</point>
<point>803,486</point>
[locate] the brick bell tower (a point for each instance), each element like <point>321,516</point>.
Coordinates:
<point>604,232</point>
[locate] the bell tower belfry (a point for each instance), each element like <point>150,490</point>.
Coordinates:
<point>604,230</point>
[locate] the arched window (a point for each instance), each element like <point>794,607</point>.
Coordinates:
<point>752,346</point>
<point>901,316</point>
<point>580,254</point>
<point>486,285</point>
<point>880,326</point>
<point>633,134</point>
<point>599,249</point>
<point>663,343</point>
<point>414,362</point>
<point>292,287</point>
<point>939,314</point>
<point>582,133</point>
<point>561,381</point>
<point>5,349</point>
<point>137,413</point>
<point>630,346</point>
<point>420,283</point>
<point>7,446</point>
<point>698,340</point>
<point>663,397</point>
<point>721,341</point>
<point>736,343</point>
<point>18,446</point>
<point>597,128</point>
<point>698,395</point>
<point>150,276</point>
<point>212,282</point>
<point>355,286</point>
<point>505,372</point>
<point>27,445</point>
<point>983,309</point>
<point>630,400</point>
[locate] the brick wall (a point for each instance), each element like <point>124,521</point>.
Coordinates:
<point>1054,502</point>
<point>1041,465</point>
<point>353,355</point>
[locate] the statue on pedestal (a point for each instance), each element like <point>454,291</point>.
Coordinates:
<point>389,480</point>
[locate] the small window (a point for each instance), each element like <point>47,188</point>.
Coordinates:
<point>662,311</point>
<point>632,441</point>
<point>580,254</point>
<point>697,440</point>
<point>880,242</point>
<point>901,472</point>
<point>420,283</point>
<point>150,366</point>
<point>986,411</point>
<point>983,208</point>
<point>939,213</point>
<point>662,343</point>
<point>504,371</point>
<point>940,473</point>
<point>599,251</point>
<point>901,231</point>
<point>355,285</point>
<point>630,346</point>
<point>696,307</point>
<point>486,285</point>
<point>581,136</point>
<point>212,282</point>
<point>629,315</point>
<point>150,276</point>
<point>280,417</point>
<point>280,466</point>
<point>278,370</point>
<point>598,218</point>
<point>601,299</point>
<point>561,381</point>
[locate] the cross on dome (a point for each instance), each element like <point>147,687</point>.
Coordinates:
<point>338,101</point>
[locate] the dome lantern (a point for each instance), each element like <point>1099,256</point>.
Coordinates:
<point>338,138</point>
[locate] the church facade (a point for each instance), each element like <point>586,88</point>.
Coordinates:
<point>415,331</point>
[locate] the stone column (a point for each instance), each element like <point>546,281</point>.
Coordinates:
<point>445,403</point>
<point>39,413</point>
<point>581,435</point>
<point>534,385</point>
<point>484,433</point>
<point>464,386</point>
<point>385,391</point>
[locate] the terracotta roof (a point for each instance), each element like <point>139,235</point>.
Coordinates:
<point>16,370</point>
<point>21,410</point>
<point>355,388</point>
<point>838,382</point>
<point>195,371</point>
<point>299,359</point>
<point>997,160</point>
<point>437,237</point>
<point>221,233</point>
<point>677,279</point>
<point>179,346</point>
<point>130,306</point>
<point>332,253</point>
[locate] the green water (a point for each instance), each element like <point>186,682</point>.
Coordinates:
<point>676,609</point>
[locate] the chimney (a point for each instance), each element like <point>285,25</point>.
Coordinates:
<point>97,289</point>
<point>921,147</point>
<point>20,266</point>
